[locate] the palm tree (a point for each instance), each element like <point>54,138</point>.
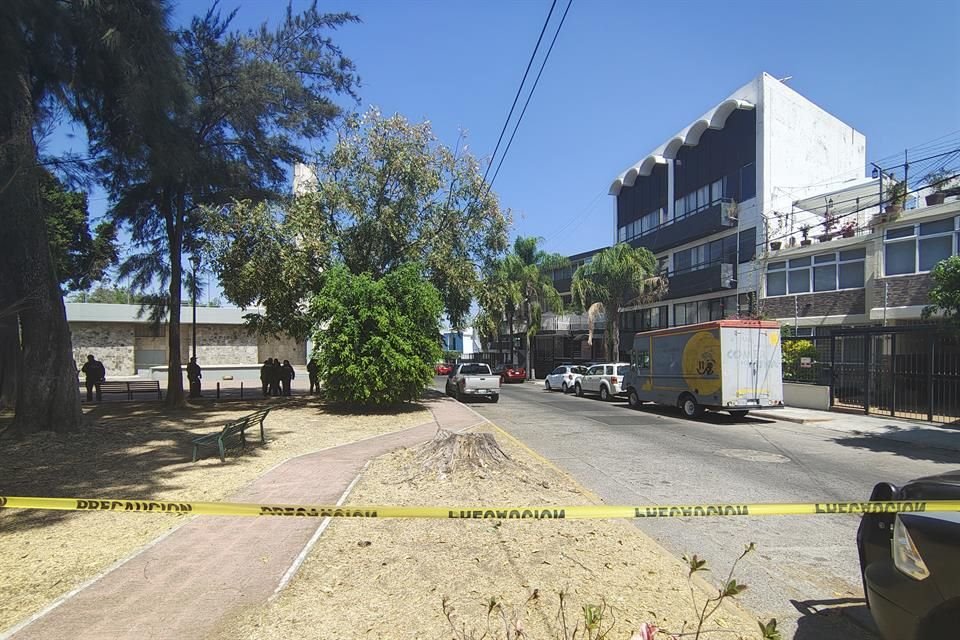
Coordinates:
<point>616,277</point>
<point>529,288</point>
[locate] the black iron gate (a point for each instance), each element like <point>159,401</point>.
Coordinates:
<point>908,372</point>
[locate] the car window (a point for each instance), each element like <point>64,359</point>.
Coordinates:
<point>474,370</point>
<point>580,370</point>
<point>622,369</point>
<point>556,371</point>
<point>609,370</point>
<point>594,371</point>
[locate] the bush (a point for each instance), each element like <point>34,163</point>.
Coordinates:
<point>379,339</point>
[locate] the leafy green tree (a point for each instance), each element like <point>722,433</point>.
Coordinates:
<point>80,258</point>
<point>386,195</point>
<point>108,295</point>
<point>253,104</point>
<point>105,63</point>
<point>616,277</point>
<point>379,339</point>
<point>527,273</point>
<point>945,293</point>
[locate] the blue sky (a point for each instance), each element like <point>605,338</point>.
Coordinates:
<point>624,76</point>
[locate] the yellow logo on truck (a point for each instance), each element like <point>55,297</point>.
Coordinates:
<point>701,363</point>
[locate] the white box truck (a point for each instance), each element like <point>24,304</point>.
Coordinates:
<point>726,365</point>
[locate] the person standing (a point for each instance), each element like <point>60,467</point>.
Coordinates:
<point>265,376</point>
<point>95,374</point>
<point>287,375</point>
<point>312,370</point>
<point>193,375</point>
<point>274,377</point>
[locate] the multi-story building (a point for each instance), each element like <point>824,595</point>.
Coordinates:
<point>701,200</point>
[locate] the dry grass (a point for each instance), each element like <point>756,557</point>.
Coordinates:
<point>141,451</point>
<point>387,578</point>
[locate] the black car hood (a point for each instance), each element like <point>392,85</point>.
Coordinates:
<point>945,486</point>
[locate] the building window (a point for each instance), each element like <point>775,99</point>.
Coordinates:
<point>647,223</point>
<point>918,248</point>
<point>685,313</point>
<point>704,255</point>
<point>823,272</point>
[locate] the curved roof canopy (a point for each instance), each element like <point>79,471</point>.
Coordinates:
<point>716,118</point>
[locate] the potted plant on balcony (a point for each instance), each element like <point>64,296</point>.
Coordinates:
<point>805,231</point>
<point>941,182</point>
<point>849,229</point>
<point>775,245</point>
<point>828,224</point>
<point>896,197</point>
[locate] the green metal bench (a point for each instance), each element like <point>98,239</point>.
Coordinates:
<point>230,430</point>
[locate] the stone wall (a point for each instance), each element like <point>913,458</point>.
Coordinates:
<point>283,349</point>
<point>902,291</point>
<point>219,344</point>
<point>111,344</point>
<point>826,303</point>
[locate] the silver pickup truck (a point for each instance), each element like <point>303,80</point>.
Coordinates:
<point>472,380</point>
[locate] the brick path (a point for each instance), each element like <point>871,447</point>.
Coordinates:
<point>215,566</point>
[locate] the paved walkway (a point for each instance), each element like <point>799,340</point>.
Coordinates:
<point>213,567</point>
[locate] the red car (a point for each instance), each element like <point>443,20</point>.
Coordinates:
<point>444,369</point>
<point>510,373</point>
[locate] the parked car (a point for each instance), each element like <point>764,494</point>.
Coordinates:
<point>444,369</point>
<point>473,380</point>
<point>563,378</point>
<point>510,373</point>
<point>910,562</point>
<point>606,380</point>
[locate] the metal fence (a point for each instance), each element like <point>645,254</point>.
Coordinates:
<point>907,372</point>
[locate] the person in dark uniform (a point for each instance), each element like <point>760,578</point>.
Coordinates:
<point>274,377</point>
<point>193,375</point>
<point>265,376</point>
<point>312,370</point>
<point>95,374</point>
<point>286,376</point>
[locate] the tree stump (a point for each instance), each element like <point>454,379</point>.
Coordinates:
<point>449,452</point>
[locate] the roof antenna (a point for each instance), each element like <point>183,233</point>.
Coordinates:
<point>784,79</point>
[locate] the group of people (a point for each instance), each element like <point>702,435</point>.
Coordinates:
<point>276,377</point>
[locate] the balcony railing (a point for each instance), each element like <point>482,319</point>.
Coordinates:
<point>713,277</point>
<point>570,322</point>
<point>719,216</point>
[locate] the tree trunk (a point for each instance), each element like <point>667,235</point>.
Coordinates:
<point>530,371</point>
<point>615,334</point>
<point>513,358</point>
<point>174,218</point>
<point>48,395</point>
<point>9,342</point>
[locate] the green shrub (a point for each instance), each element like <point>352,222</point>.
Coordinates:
<point>378,339</point>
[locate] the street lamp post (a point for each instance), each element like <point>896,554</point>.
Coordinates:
<point>195,261</point>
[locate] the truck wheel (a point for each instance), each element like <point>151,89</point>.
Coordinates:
<point>739,414</point>
<point>546,384</point>
<point>688,404</point>
<point>604,394</point>
<point>495,398</point>
<point>633,399</point>
<point>578,390</point>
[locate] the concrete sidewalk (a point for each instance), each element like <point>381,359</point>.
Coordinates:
<point>923,434</point>
<point>213,567</point>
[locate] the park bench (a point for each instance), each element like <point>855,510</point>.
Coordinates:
<point>128,388</point>
<point>232,429</point>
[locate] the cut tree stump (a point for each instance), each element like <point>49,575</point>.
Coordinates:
<point>449,452</point>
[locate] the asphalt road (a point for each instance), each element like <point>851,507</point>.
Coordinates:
<point>805,570</point>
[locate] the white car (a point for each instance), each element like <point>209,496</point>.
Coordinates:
<point>563,378</point>
<point>606,380</point>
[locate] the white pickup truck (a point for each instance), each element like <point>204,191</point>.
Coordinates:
<point>473,379</point>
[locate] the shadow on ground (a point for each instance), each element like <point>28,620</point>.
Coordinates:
<point>821,619</point>
<point>907,445</point>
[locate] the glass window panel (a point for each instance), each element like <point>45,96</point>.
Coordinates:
<point>622,234</point>
<point>679,314</point>
<point>678,208</point>
<point>776,266</point>
<point>748,182</point>
<point>853,254</point>
<point>827,257</point>
<point>900,258</point>
<point>703,308</point>
<point>800,262</point>
<point>904,232</point>
<point>933,250</point>
<point>716,309</point>
<point>850,275</point>
<point>799,281</point>
<point>777,283</point>
<point>716,191</point>
<point>681,260</point>
<point>940,226</point>
<point>825,278</point>
<point>703,196</point>
<point>716,251</point>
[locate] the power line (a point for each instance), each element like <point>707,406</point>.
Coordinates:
<point>530,95</point>
<point>523,81</point>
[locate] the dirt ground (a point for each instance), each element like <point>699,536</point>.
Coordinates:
<point>141,451</point>
<point>388,578</point>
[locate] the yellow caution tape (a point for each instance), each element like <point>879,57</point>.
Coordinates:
<point>543,512</point>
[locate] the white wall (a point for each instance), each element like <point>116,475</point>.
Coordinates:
<point>806,396</point>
